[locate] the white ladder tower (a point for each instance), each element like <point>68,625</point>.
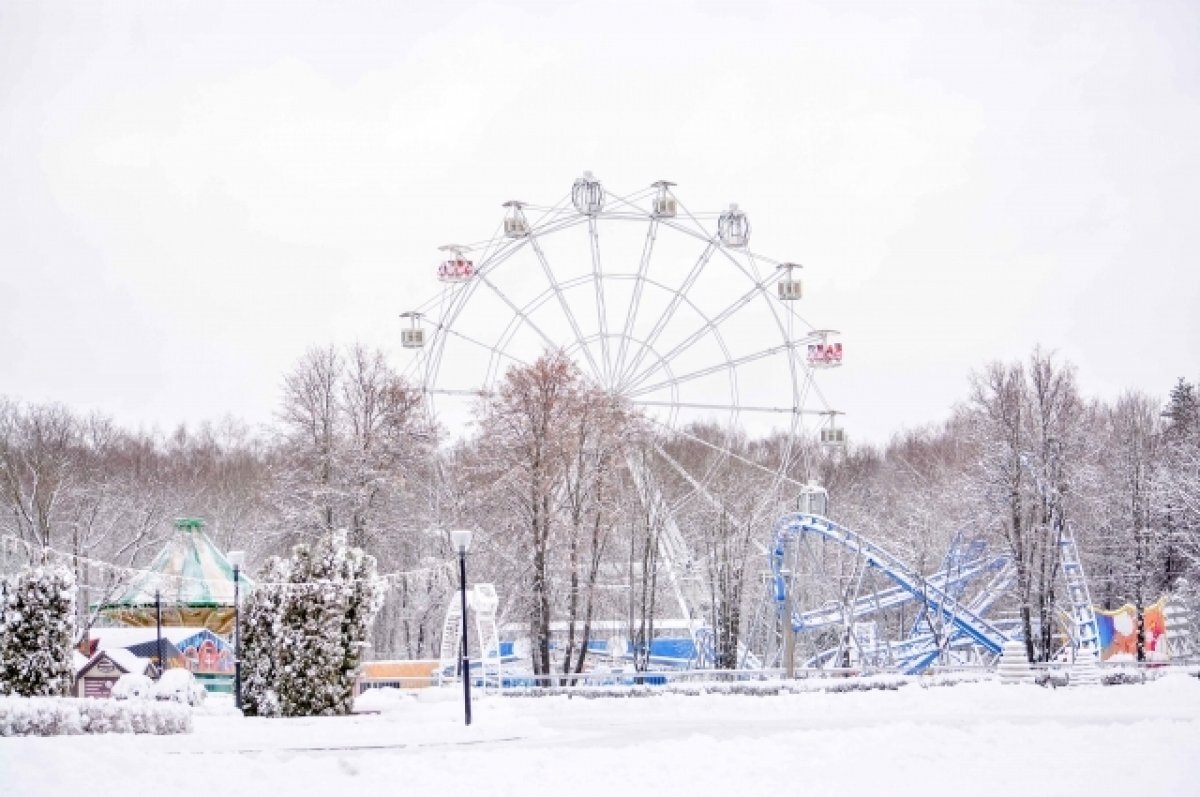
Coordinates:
<point>1180,641</point>
<point>483,602</point>
<point>1085,633</point>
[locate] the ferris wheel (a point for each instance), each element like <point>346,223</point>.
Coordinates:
<point>667,309</point>
<point>655,304</point>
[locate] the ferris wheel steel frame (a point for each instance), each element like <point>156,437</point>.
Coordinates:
<point>620,358</point>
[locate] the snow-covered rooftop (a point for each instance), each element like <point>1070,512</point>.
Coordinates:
<point>134,635</point>
<point>122,658</point>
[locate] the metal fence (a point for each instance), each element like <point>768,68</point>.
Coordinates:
<point>765,680</point>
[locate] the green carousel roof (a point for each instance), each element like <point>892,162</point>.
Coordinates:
<point>189,571</point>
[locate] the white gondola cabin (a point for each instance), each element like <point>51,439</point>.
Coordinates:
<point>733,227</point>
<point>413,335</point>
<point>515,223</point>
<point>789,286</point>
<point>665,206</point>
<point>456,267</point>
<point>813,500</point>
<point>588,195</point>
<point>833,437</point>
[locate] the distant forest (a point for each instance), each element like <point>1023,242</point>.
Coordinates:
<point>550,482</point>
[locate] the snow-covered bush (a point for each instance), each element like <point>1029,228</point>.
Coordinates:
<point>261,636</point>
<point>868,683</point>
<point>61,716</point>
<point>1052,678</point>
<point>132,686</point>
<point>1120,677</point>
<point>306,626</point>
<point>180,686</point>
<point>37,627</point>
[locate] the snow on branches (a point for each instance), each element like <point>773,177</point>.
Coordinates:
<point>37,628</point>
<point>305,629</point>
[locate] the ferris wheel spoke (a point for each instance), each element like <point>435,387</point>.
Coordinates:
<point>469,392</point>
<point>601,310</point>
<point>695,336</point>
<point>688,477</point>
<point>712,369</point>
<point>550,343</point>
<point>676,300</point>
<point>635,302</point>
<point>556,288</point>
<point>692,344</point>
<point>753,513</point>
<point>725,407</point>
<point>709,444</point>
<point>495,350</point>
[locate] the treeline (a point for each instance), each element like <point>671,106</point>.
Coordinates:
<point>1027,459</point>
<point>579,502</point>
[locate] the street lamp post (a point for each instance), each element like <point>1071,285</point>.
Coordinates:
<point>461,539</point>
<point>158,630</point>
<point>237,559</point>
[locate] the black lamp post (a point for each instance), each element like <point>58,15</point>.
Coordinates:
<point>461,539</point>
<point>237,558</point>
<point>158,630</point>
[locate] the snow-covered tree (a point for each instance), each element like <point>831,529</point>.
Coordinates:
<point>350,431</point>
<point>310,674</point>
<point>545,467</point>
<point>1181,458</point>
<point>306,627</point>
<point>353,450</point>
<point>260,646</point>
<point>37,628</point>
<point>1031,428</point>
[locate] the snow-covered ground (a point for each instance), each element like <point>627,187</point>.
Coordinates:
<point>970,739</point>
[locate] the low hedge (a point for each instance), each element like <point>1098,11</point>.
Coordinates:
<point>68,716</point>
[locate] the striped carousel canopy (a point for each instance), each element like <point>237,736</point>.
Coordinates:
<point>190,571</point>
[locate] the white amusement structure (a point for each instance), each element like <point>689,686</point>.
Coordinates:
<point>668,309</point>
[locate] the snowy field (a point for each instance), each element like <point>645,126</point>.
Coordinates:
<point>970,739</point>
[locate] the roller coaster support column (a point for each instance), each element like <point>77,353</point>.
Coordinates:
<point>789,639</point>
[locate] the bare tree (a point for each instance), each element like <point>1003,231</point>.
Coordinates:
<point>1030,429</point>
<point>549,447</point>
<point>38,465</point>
<point>350,430</point>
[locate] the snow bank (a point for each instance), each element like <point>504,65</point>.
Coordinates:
<point>983,738</point>
<point>132,685</point>
<point>753,688</point>
<point>180,686</point>
<point>383,699</point>
<point>69,716</point>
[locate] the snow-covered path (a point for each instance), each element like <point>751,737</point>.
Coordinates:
<point>970,739</point>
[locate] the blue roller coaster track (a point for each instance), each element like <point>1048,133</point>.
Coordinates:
<point>940,593</point>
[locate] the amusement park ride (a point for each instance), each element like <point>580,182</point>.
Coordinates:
<point>678,317</point>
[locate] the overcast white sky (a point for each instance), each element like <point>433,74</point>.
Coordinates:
<point>191,194</point>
